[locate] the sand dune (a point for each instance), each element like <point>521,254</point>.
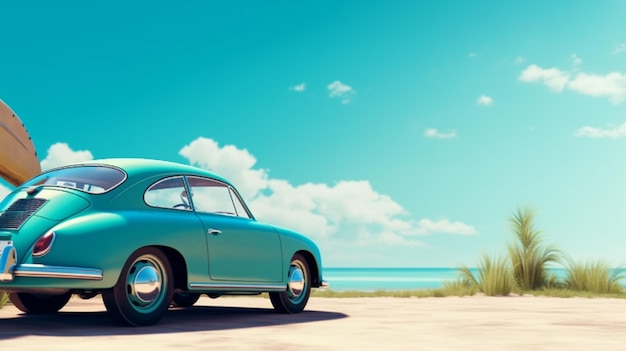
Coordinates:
<point>469,323</point>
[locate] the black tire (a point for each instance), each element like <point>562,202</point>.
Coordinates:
<point>39,303</point>
<point>143,291</point>
<point>295,298</point>
<point>185,299</point>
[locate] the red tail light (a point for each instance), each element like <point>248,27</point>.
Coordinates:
<point>43,244</point>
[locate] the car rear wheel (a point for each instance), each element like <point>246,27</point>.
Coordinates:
<point>295,298</point>
<point>39,303</point>
<point>143,291</point>
<point>184,299</point>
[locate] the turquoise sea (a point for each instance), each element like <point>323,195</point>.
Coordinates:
<point>370,279</point>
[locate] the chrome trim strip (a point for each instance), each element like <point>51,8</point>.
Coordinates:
<point>324,284</point>
<point>237,287</point>
<point>8,259</point>
<point>43,271</point>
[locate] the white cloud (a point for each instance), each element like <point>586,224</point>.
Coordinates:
<point>60,154</point>
<point>619,48</point>
<point>338,89</point>
<point>434,133</point>
<point>576,61</point>
<point>445,226</point>
<point>554,78</point>
<point>593,132</point>
<point>611,85</point>
<point>484,100</point>
<point>299,88</point>
<point>228,161</point>
<point>347,211</point>
<point>519,60</point>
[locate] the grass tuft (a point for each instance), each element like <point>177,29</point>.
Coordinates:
<point>380,293</point>
<point>529,257</point>
<point>4,298</point>
<point>593,276</point>
<point>459,287</point>
<point>494,277</point>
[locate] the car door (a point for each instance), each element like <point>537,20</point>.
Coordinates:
<point>175,217</point>
<point>240,249</point>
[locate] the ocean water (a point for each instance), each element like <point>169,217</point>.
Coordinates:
<point>370,279</point>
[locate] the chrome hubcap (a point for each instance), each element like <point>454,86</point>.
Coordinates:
<point>296,281</point>
<point>147,284</point>
<point>144,283</point>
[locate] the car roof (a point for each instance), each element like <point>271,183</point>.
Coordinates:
<point>138,168</point>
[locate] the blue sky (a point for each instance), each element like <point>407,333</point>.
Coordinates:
<point>393,133</point>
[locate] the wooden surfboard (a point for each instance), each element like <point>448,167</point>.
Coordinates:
<point>18,158</point>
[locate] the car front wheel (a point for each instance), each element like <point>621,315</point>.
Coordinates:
<point>294,299</point>
<point>39,303</point>
<point>143,291</point>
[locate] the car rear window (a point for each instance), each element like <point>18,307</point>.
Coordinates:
<point>96,179</point>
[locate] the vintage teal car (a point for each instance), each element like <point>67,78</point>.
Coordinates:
<point>145,235</point>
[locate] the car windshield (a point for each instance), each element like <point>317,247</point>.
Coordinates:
<point>96,179</point>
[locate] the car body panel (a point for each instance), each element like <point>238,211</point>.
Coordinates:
<point>240,242</point>
<point>97,233</point>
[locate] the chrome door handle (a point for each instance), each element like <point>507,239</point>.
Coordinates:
<point>214,231</point>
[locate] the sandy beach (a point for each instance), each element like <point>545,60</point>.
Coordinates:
<point>249,323</point>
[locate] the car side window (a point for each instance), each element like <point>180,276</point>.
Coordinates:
<point>241,210</point>
<point>211,196</point>
<point>168,193</point>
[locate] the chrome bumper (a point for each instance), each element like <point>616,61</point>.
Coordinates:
<point>8,260</point>
<point>324,284</point>
<point>43,271</point>
<point>9,269</point>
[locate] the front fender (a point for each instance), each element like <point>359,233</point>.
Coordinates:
<point>292,243</point>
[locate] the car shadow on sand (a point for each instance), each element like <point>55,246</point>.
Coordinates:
<point>197,318</point>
